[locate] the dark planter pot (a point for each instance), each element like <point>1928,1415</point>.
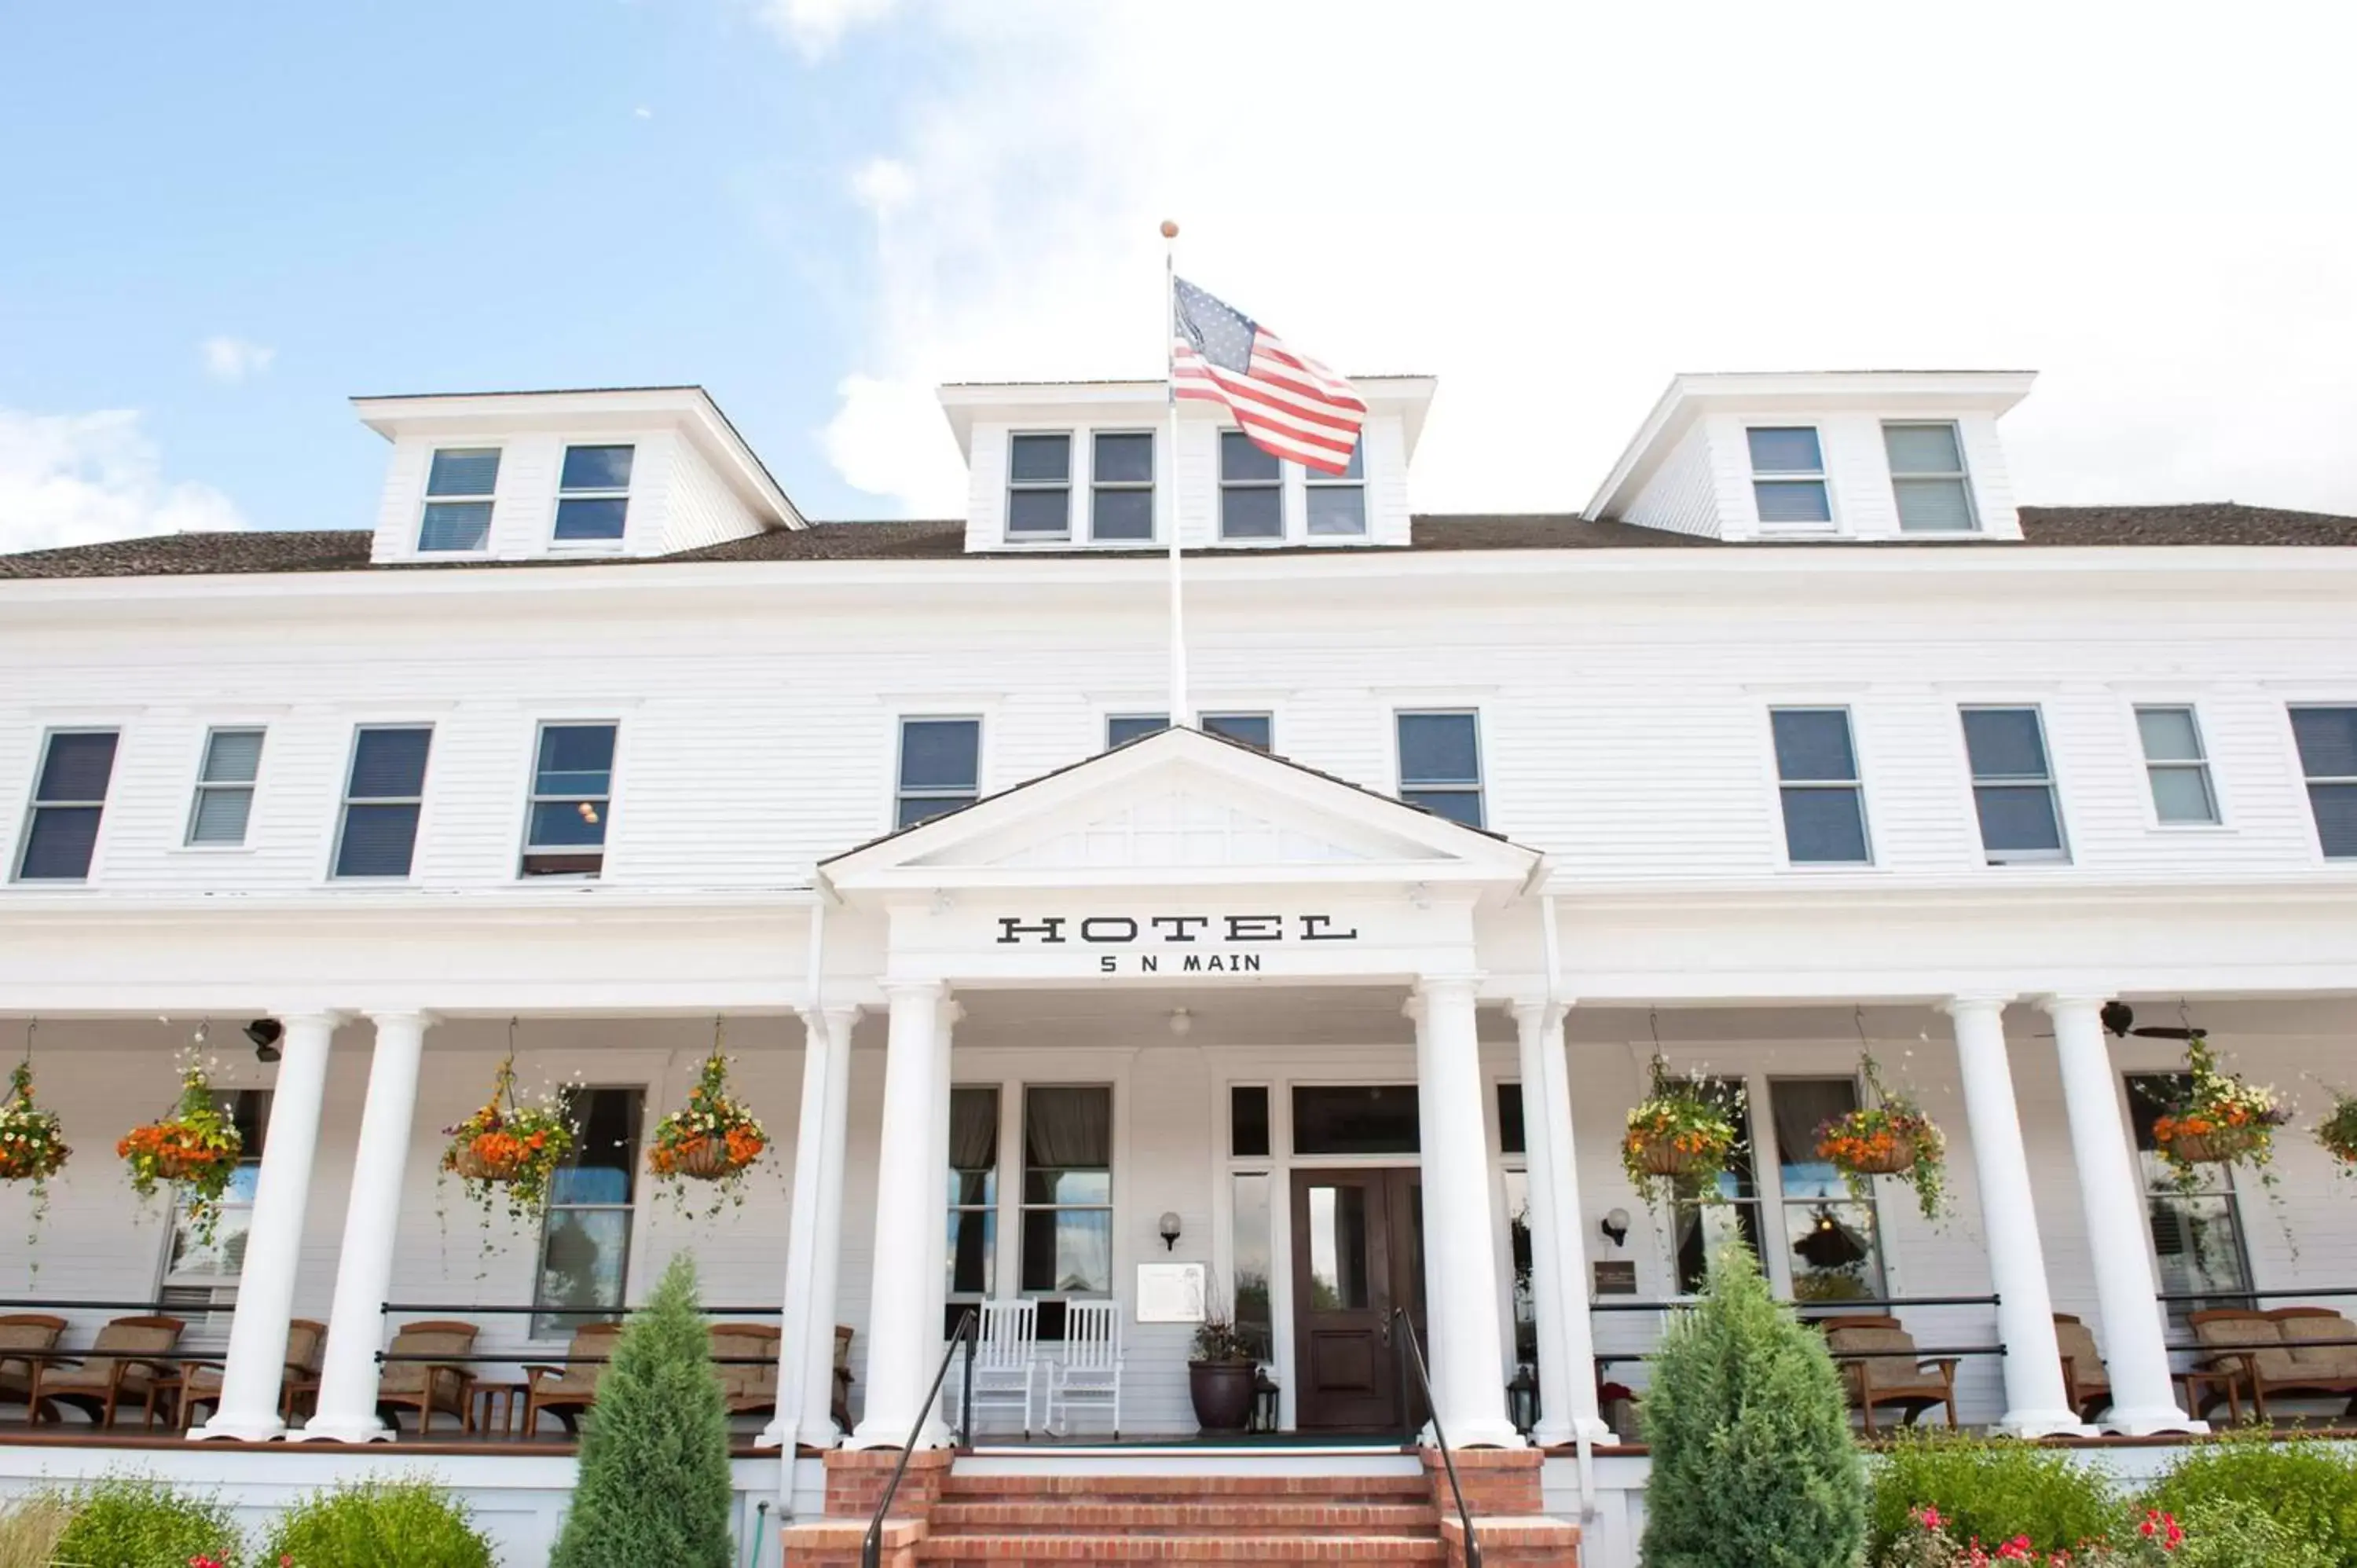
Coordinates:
<point>1222,1393</point>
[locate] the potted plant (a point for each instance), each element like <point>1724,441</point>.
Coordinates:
<point>194,1149</point>
<point>2338,1131</point>
<point>711,1139</point>
<point>509,1150</point>
<point>1222,1374</point>
<point>2222,1120</point>
<point>32,1149</point>
<point>1887,1136</point>
<point>1679,1137</point>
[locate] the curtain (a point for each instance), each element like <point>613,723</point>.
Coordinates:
<point>1068,1129</point>
<point>1801,1106</point>
<point>973,1129</point>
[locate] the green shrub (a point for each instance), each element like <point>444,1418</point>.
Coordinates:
<point>1753,1465</point>
<point>30,1529</point>
<point>654,1451</point>
<point>137,1522</point>
<point>1995,1488</point>
<point>2309,1488</point>
<point>378,1524</point>
<point>2238,1532</point>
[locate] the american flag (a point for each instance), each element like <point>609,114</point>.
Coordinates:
<point>1289,404</point>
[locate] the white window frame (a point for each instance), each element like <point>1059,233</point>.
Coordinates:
<point>221,1285</point>
<point>1204,719</point>
<point>2307,779</point>
<point>1778,784</point>
<point>1962,474</point>
<point>631,1234</point>
<point>1312,480</point>
<point>1480,788</point>
<point>2052,780</point>
<point>345,801</point>
<point>1150,486</point>
<point>1073,483</point>
<point>556,508</point>
<point>1278,484</point>
<point>901,723</point>
<point>1820,476</point>
<point>428,499</point>
<point>1012,1195</point>
<point>995,1208</point>
<point>533,799</point>
<point>205,787</point>
<point>33,805</point>
<point>2199,764</point>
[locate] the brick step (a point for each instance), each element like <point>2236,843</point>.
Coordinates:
<point>1193,1516</point>
<point>1062,1550</point>
<point>1339,1489</point>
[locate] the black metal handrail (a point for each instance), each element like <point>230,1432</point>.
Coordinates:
<point>1687,1303</point>
<point>486,1310</point>
<point>2183,1296</point>
<point>871,1545</point>
<point>1411,1354</point>
<point>55,1305</point>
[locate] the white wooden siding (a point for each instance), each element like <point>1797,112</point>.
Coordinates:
<point>1680,496</point>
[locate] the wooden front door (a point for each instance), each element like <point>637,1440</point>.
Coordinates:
<point>1357,1253</point>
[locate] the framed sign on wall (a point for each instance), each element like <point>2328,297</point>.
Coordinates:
<point>1171,1292</point>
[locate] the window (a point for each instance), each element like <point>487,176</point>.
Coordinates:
<point>940,767</point>
<point>2327,756</point>
<point>69,798</point>
<point>382,800</point>
<point>1515,1180</point>
<point>225,802</point>
<point>593,493</point>
<point>1510,1119</point>
<point>1336,503</point>
<point>1039,486</point>
<point>1926,475</point>
<point>584,1240</point>
<point>458,498</point>
<point>1816,772</point>
<point>1121,486</point>
<point>1255,730</point>
<point>1251,490</point>
<point>1248,1121</point>
<point>1256,1256</point>
<point>1355,1119</point>
<point>2174,761</point>
<point>1068,1191</point>
<point>572,800</point>
<point>974,1193</point>
<point>1440,765</point>
<point>1787,476</point>
<point>1732,1213</point>
<point>2197,1236</point>
<point>1829,1238</point>
<point>219,1262</point>
<point>2013,786</point>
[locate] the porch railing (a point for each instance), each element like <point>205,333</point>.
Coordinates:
<point>871,1545</point>
<point>1411,1357</point>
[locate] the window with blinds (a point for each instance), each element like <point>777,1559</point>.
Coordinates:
<point>1787,476</point>
<point>382,797</point>
<point>69,799</point>
<point>1926,475</point>
<point>458,490</point>
<point>1817,779</point>
<point>225,779</point>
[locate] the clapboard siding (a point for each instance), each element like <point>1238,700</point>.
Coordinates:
<point>1680,496</point>
<point>697,507</point>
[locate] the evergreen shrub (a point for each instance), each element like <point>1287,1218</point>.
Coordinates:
<point>378,1524</point>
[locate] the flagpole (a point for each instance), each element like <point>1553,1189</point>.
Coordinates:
<point>1180,715</point>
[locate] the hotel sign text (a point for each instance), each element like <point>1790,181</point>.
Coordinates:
<point>1174,944</point>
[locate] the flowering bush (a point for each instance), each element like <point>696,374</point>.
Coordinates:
<point>194,1149</point>
<point>1927,1543</point>
<point>1891,1137</point>
<point>32,1145</point>
<point>1679,1137</point>
<point>2338,1132</point>
<point>2222,1120</point>
<point>712,1138</point>
<point>509,1154</point>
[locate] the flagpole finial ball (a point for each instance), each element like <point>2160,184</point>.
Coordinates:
<point>1169,229</point>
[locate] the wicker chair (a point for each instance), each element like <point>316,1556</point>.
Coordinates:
<point>2085,1379</point>
<point>131,1358</point>
<point>35,1332</point>
<point>751,1387</point>
<point>426,1386</point>
<point>1880,1368</point>
<point>841,1409</point>
<point>567,1392</point>
<point>2301,1352</point>
<point>305,1341</point>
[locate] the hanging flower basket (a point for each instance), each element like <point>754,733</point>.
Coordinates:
<point>194,1150</point>
<point>32,1144</point>
<point>2222,1120</point>
<point>507,1152</point>
<point>712,1139</point>
<point>1678,1139</point>
<point>2338,1132</point>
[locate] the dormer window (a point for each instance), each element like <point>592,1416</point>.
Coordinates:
<point>458,490</point>
<point>1039,486</point>
<point>1121,486</point>
<point>1927,473</point>
<point>1251,490</point>
<point>1337,503</point>
<point>593,494</point>
<point>1788,475</point>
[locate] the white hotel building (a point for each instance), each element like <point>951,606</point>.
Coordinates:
<point>1803,734</point>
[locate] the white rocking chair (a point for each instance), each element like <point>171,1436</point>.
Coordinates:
<point>1090,1370</point>
<point>1005,1358</point>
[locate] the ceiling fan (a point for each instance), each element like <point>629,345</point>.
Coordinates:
<point>2120,1019</point>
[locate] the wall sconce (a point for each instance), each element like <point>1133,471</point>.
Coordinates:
<point>266,1034</point>
<point>1169,1231</point>
<point>1616,1226</point>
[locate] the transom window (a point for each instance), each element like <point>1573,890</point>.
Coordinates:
<point>572,800</point>
<point>2327,756</point>
<point>1355,1119</point>
<point>2176,765</point>
<point>940,769</point>
<point>1788,475</point>
<point>1251,490</point>
<point>1440,764</point>
<point>69,799</point>
<point>1336,503</point>
<point>1068,1190</point>
<point>1253,729</point>
<point>458,490</point>
<point>2013,786</point>
<point>1039,485</point>
<point>1121,486</point>
<point>1927,476</point>
<point>584,1240</point>
<point>225,802</point>
<point>382,797</point>
<point>1823,801</point>
<point>593,493</point>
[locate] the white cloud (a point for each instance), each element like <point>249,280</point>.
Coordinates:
<point>79,479</point>
<point>233,359</point>
<point>643,112</point>
<point>815,26</point>
<point>1556,217</point>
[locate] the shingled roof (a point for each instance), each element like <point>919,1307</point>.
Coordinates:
<point>347,550</point>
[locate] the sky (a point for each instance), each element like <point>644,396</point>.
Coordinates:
<point>217,223</point>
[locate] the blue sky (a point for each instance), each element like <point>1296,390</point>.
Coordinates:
<point>217,223</point>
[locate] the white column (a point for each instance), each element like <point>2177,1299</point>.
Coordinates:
<point>2144,1397</point>
<point>937,1277</point>
<point>250,1382</point>
<point>2036,1402</point>
<point>348,1376</point>
<point>1558,1233</point>
<point>900,1341</point>
<point>806,1345</point>
<point>1468,1378</point>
